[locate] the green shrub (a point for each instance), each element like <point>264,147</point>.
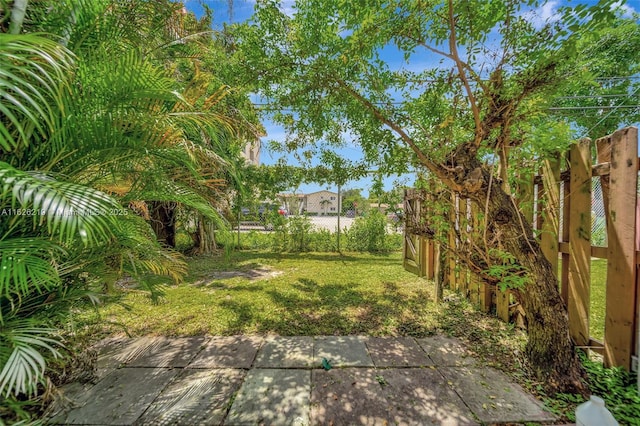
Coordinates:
<point>184,242</point>
<point>299,230</point>
<point>297,234</point>
<point>393,242</point>
<point>368,233</point>
<point>254,240</point>
<point>323,240</point>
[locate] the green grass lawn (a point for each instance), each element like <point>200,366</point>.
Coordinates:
<point>295,294</point>
<point>597,297</point>
<point>312,294</point>
<point>307,294</point>
<point>597,301</point>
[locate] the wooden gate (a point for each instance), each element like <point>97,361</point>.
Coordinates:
<point>418,250</point>
<point>412,252</point>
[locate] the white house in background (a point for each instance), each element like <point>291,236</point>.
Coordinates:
<point>322,203</point>
<point>251,152</point>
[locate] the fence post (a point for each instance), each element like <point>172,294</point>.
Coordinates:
<point>436,272</point>
<point>502,304</point>
<point>429,264</point>
<point>579,241</point>
<point>463,230</point>
<point>452,242</point>
<point>621,250</point>
<point>476,286</point>
<point>549,235</point>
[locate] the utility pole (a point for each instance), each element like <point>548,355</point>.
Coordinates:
<point>339,213</point>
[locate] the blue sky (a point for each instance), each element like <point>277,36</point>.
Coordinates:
<point>242,10</point>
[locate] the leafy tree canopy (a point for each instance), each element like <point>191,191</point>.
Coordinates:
<point>338,52</point>
<point>476,84</point>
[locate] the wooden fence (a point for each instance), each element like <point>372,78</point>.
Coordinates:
<point>559,204</point>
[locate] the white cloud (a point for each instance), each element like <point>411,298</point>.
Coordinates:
<point>545,14</point>
<point>548,11</point>
<point>626,10</point>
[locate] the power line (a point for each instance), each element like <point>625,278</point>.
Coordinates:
<point>630,77</point>
<point>614,107</point>
<point>615,95</point>
<point>573,108</point>
<point>606,116</point>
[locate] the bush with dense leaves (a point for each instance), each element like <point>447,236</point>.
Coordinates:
<point>368,233</point>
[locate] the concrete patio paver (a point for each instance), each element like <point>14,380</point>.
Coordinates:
<point>168,352</point>
<point>196,397</point>
<point>228,352</point>
<point>250,380</point>
<point>493,397</point>
<point>422,397</point>
<point>396,352</point>
<point>272,396</point>
<point>446,351</point>
<point>341,351</point>
<point>286,352</point>
<point>348,396</point>
<point>115,352</point>
<point>120,398</point>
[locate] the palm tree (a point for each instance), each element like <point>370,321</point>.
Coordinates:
<point>323,205</point>
<point>39,211</point>
<point>94,129</point>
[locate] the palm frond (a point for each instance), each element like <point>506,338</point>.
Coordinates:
<point>143,255</point>
<point>21,357</point>
<point>69,210</point>
<point>172,191</point>
<point>26,265</point>
<point>33,71</point>
<point>135,253</point>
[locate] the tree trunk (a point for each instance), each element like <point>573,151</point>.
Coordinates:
<point>18,12</point>
<point>206,241</point>
<point>163,217</point>
<point>550,348</point>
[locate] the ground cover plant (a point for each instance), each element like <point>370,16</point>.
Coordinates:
<point>616,386</point>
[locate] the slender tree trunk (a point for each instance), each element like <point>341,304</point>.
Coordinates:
<point>206,237</point>
<point>18,11</point>
<point>504,168</point>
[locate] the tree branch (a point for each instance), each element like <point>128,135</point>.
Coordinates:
<point>461,65</point>
<point>422,43</point>
<point>437,169</point>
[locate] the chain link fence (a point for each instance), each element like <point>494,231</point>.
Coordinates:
<point>598,221</point>
<point>327,220</point>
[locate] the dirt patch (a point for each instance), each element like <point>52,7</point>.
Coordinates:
<point>254,274</point>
